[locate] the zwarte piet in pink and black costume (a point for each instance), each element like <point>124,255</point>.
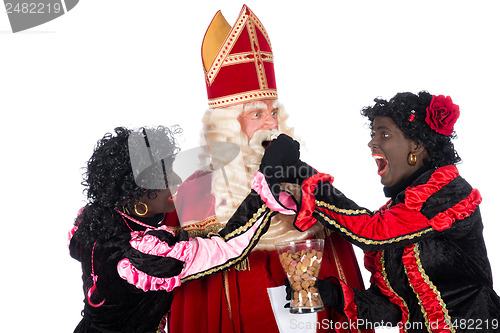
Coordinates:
<point>131,260</point>
<point>424,247</point>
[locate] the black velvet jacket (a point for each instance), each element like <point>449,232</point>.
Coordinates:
<point>138,270</point>
<point>424,248</point>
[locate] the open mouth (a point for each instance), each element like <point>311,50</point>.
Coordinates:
<point>382,163</point>
<point>266,144</point>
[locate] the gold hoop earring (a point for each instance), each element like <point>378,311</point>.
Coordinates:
<point>145,208</point>
<point>412,159</point>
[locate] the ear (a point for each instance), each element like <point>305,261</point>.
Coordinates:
<point>418,149</point>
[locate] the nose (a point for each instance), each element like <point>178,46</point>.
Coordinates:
<point>270,121</point>
<point>372,144</point>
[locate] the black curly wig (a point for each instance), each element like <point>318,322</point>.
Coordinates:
<point>110,184</point>
<point>405,106</point>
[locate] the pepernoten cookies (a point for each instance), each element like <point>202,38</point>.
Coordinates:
<point>302,268</point>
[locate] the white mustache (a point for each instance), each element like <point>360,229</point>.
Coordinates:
<point>264,135</point>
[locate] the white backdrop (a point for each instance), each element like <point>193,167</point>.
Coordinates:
<point>132,63</point>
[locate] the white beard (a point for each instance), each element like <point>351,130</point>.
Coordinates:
<point>231,185</point>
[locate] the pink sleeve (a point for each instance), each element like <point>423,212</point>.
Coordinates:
<point>141,280</point>
<point>216,253</point>
<point>201,256</point>
<point>259,185</point>
<point>152,245</point>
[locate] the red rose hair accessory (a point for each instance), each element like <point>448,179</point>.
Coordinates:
<point>442,114</point>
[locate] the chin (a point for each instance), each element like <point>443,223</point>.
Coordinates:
<point>384,181</point>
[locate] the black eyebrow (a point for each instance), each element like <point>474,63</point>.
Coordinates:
<point>382,127</point>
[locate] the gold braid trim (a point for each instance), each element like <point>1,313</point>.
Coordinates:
<point>388,285</point>
<point>236,232</point>
<point>371,241</point>
<point>336,258</point>
<point>243,265</point>
<point>200,228</point>
<point>247,225</point>
<point>207,232</point>
<point>225,283</point>
<point>341,210</point>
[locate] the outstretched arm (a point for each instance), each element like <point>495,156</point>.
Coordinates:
<point>421,214</point>
<point>160,261</point>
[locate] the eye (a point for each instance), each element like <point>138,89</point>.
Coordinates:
<point>383,135</point>
<point>274,112</point>
<point>253,114</point>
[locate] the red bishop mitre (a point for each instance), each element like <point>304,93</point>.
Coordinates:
<point>238,61</point>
